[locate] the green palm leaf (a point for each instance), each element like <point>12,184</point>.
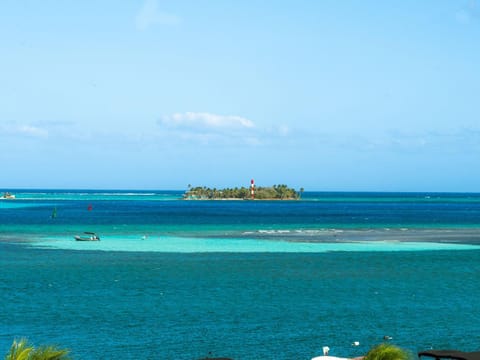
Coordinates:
<point>20,350</point>
<point>49,353</point>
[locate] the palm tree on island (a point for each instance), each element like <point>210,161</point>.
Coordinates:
<point>301,192</point>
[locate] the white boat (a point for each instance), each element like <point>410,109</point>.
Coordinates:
<point>7,195</point>
<point>89,236</point>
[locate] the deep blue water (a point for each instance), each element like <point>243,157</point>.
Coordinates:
<point>131,305</point>
<point>107,305</point>
<point>342,210</point>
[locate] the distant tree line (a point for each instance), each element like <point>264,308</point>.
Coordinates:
<point>275,192</point>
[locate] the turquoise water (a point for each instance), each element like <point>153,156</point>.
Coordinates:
<point>201,245</point>
<point>250,280</point>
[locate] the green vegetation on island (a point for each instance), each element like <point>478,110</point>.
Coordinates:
<point>275,192</point>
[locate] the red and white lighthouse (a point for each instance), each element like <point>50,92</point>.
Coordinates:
<point>252,189</point>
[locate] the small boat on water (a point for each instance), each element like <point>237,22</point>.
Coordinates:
<point>7,195</point>
<point>89,236</point>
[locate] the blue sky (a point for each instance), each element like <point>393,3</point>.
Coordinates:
<point>325,95</point>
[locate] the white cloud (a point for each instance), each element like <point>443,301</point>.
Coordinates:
<point>24,130</point>
<point>32,131</point>
<point>222,130</point>
<point>209,129</point>
<point>149,14</point>
<point>206,121</point>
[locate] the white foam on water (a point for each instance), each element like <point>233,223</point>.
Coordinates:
<point>172,244</point>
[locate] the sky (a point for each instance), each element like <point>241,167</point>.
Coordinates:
<point>158,94</point>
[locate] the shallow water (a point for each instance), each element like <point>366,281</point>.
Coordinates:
<point>248,280</point>
<point>200,245</point>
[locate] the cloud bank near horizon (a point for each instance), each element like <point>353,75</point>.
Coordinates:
<point>205,120</point>
<point>24,130</point>
<point>209,129</point>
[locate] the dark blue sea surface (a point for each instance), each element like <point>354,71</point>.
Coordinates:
<point>108,305</point>
<point>154,305</point>
<point>316,210</point>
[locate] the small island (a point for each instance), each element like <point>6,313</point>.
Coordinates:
<point>275,192</point>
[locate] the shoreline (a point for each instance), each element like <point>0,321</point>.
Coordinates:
<point>239,199</point>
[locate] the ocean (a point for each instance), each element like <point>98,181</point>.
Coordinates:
<point>174,279</point>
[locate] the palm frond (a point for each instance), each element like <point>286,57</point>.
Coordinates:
<point>49,353</point>
<point>20,350</point>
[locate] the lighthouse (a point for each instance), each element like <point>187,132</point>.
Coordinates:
<point>252,189</point>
